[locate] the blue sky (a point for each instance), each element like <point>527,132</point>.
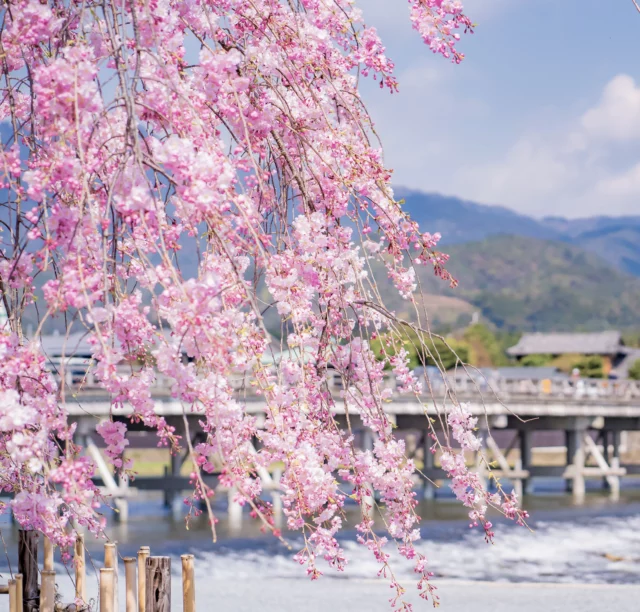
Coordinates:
<point>543,115</point>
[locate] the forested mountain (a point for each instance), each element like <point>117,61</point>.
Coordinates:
<point>616,239</point>
<point>530,284</point>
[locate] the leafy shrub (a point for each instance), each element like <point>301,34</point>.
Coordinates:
<point>486,350</point>
<point>437,353</point>
<point>423,350</point>
<point>591,366</point>
<point>536,361</point>
<point>634,370</point>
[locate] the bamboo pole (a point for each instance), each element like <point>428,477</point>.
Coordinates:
<point>106,589</point>
<point>188,584</point>
<point>130,584</point>
<point>48,554</point>
<point>111,560</point>
<point>81,575</point>
<point>13,595</point>
<point>110,555</point>
<point>143,554</point>
<point>48,591</point>
<point>19,587</point>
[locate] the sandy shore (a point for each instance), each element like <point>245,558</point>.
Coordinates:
<point>253,594</point>
<point>370,596</point>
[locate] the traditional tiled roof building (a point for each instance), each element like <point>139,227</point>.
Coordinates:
<point>609,345</point>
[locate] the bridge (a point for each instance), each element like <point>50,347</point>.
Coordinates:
<point>592,415</point>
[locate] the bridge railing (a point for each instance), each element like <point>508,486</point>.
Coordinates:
<point>558,388</point>
<point>80,377</point>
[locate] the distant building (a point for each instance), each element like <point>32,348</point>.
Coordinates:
<point>608,345</point>
<point>57,345</point>
<point>621,369</point>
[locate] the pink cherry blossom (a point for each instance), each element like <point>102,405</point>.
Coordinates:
<point>184,181</point>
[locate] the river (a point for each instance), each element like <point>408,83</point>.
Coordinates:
<point>590,553</point>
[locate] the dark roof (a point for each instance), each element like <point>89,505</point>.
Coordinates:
<point>599,343</point>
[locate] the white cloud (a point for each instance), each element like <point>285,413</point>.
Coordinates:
<point>531,170</point>
<point>579,168</point>
<point>623,185</point>
<point>463,130</point>
<point>617,117</point>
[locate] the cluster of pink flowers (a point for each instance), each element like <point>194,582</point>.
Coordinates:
<point>32,426</point>
<point>179,201</point>
<point>113,433</point>
<point>463,425</point>
<point>465,483</point>
<point>437,21</point>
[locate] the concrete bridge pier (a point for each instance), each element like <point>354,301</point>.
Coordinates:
<point>480,467</point>
<point>604,440</point>
<point>429,490</point>
<point>234,512</point>
<point>577,459</point>
<point>525,459</point>
<point>615,443</point>
<point>122,503</point>
<point>613,481</point>
<point>172,497</point>
<point>571,445</point>
<point>368,441</point>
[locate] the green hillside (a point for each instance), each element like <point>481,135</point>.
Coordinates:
<point>530,284</point>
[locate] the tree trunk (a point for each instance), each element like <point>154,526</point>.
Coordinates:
<point>28,567</point>
<point>158,584</point>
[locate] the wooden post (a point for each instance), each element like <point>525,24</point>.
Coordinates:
<point>143,554</point>
<point>48,591</point>
<point>158,584</point>
<point>106,589</point>
<point>111,561</point>
<point>47,563</point>
<point>81,582</point>
<point>28,567</point>
<point>13,596</point>
<point>19,588</point>
<point>130,584</point>
<point>188,584</point>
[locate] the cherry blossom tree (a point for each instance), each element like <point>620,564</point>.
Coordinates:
<point>142,133</point>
